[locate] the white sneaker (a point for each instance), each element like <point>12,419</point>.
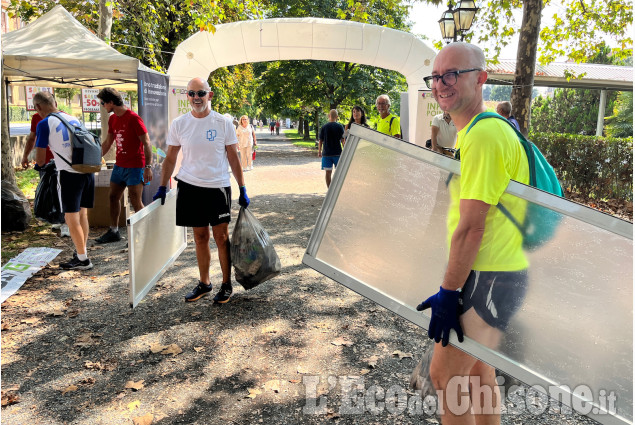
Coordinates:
<point>64,230</point>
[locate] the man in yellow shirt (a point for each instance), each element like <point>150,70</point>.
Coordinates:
<point>485,280</point>
<point>388,123</point>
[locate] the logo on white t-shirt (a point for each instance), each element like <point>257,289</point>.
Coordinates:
<point>211,135</point>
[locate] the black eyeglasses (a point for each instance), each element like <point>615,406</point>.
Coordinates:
<point>449,78</point>
<point>200,93</point>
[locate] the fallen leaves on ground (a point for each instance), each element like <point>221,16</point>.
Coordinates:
<point>30,320</point>
<point>133,405</point>
<point>253,392</point>
<point>157,348</point>
<point>9,398</point>
<point>172,349</point>
<point>372,361</point>
<point>135,386</point>
<point>342,341</point>
<point>401,354</point>
<point>69,389</point>
<point>269,329</point>
<point>143,420</point>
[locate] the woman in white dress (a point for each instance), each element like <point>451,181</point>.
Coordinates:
<point>246,135</point>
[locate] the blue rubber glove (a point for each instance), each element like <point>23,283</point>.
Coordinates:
<point>446,307</point>
<point>161,194</point>
<point>243,199</point>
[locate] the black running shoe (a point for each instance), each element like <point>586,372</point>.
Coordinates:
<point>224,294</point>
<point>109,236</point>
<point>76,264</point>
<point>199,292</point>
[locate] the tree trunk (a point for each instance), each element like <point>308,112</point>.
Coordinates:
<point>307,134</point>
<point>317,123</point>
<point>8,173</point>
<point>526,63</point>
<point>103,32</point>
<point>300,125</point>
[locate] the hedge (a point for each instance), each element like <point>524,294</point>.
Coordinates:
<point>599,167</point>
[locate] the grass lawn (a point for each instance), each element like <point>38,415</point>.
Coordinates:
<point>298,140</point>
<point>27,181</point>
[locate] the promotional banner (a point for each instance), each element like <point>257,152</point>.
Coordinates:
<point>19,269</point>
<point>427,108</point>
<point>153,109</point>
<point>90,103</point>
<point>178,103</point>
<point>30,91</point>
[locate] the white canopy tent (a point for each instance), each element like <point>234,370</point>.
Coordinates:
<point>57,49</point>
<point>306,38</point>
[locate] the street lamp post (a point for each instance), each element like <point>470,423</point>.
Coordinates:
<point>455,22</point>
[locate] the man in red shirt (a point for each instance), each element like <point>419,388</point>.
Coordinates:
<point>30,142</point>
<point>133,160</point>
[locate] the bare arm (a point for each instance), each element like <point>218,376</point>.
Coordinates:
<point>168,164</point>
<point>147,151</point>
<point>40,156</point>
<point>105,147</point>
<point>320,149</point>
<point>435,134</point>
<point>28,147</point>
<point>234,163</point>
<point>466,242</point>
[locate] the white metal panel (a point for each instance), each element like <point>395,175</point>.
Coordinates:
<point>154,243</point>
<point>382,232</point>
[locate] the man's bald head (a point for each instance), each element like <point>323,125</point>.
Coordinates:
<point>469,55</point>
<point>198,84</point>
<point>333,115</point>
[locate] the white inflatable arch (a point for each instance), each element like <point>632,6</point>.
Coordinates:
<point>302,39</point>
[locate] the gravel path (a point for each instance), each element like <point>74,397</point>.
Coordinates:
<point>73,352</point>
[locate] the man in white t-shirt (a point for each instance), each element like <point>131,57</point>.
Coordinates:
<point>443,133</point>
<point>209,146</point>
<point>77,189</point>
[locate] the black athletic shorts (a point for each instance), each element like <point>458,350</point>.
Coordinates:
<point>202,206</point>
<point>496,296</point>
<point>78,191</point>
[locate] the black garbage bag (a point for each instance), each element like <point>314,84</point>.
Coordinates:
<point>47,201</point>
<point>16,211</point>
<point>252,252</point>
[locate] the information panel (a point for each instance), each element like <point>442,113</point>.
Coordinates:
<point>383,233</point>
<point>152,251</point>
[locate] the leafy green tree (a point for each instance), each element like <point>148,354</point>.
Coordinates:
<point>577,31</point>
<point>500,93</point>
<point>620,124</point>
<point>66,93</point>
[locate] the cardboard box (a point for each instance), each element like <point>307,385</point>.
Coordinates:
<point>99,215</point>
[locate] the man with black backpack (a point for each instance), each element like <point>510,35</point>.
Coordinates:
<point>77,188</point>
<point>486,277</point>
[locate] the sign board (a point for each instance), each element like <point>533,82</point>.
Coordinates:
<point>30,91</point>
<point>90,102</point>
<point>427,108</point>
<point>382,232</point>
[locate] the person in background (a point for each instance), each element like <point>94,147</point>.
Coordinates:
<point>331,140</point>
<point>77,189</point>
<point>358,116</point>
<point>504,109</point>
<point>246,135</point>
<point>388,123</point>
<point>278,127</point>
<point>133,161</point>
<point>272,126</point>
<point>208,143</point>
<point>443,136</point>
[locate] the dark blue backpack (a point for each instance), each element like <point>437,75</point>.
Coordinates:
<point>540,223</point>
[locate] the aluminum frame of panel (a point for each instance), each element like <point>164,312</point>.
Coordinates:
<point>151,251</point>
<point>566,208</point>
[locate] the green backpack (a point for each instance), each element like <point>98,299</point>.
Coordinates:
<point>540,223</point>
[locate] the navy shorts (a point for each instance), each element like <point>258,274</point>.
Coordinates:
<point>328,162</point>
<point>202,206</point>
<point>495,296</point>
<point>78,191</point>
<point>126,176</point>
